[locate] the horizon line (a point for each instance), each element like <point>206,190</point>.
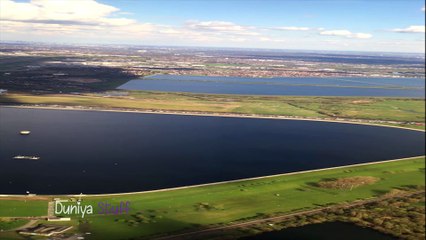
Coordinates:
<point>203,47</point>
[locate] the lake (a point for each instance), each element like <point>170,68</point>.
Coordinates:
<point>323,231</point>
<point>327,86</point>
<point>105,152</point>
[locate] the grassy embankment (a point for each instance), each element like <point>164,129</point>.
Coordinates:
<point>176,210</point>
<point>386,109</point>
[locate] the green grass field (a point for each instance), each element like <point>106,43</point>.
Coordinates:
<point>11,224</point>
<point>390,109</point>
<point>24,207</point>
<point>176,210</point>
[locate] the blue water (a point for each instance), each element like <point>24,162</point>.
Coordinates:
<point>376,87</point>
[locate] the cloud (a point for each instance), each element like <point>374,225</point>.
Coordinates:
<point>346,33</point>
<point>82,18</point>
<point>221,27</point>
<point>272,40</point>
<point>61,22</point>
<point>291,28</point>
<point>92,21</point>
<point>88,21</point>
<point>85,12</point>
<point>410,29</point>
<point>423,8</point>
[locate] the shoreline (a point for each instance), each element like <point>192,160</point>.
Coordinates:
<point>242,180</point>
<point>377,123</point>
<point>208,184</point>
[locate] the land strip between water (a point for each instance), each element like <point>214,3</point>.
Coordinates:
<point>380,123</point>
<point>394,111</point>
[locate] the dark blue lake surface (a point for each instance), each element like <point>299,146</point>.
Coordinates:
<point>104,152</point>
<point>324,231</point>
<point>379,87</point>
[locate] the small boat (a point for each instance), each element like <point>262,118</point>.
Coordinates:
<point>24,132</point>
<point>20,157</point>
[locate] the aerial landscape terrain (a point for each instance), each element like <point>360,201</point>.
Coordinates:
<point>132,120</point>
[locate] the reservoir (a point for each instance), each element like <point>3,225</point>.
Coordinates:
<point>326,86</point>
<point>106,152</point>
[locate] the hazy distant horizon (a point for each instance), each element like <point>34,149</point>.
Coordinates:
<point>326,25</point>
<point>349,52</point>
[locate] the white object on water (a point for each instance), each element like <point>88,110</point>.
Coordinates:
<point>20,157</point>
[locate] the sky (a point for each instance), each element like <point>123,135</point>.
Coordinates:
<point>342,25</point>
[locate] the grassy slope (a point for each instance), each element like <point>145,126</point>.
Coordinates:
<point>23,208</point>
<point>12,224</point>
<point>176,210</point>
<point>345,107</point>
